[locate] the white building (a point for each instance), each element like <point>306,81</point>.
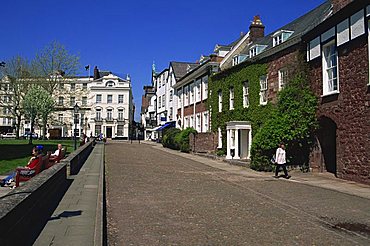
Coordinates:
<point>105,106</point>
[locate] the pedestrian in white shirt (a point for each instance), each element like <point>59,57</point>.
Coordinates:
<point>280,158</point>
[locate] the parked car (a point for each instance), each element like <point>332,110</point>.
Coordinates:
<point>34,135</point>
<point>8,135</point>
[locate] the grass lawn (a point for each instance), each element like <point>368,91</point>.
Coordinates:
<point>16,153</point>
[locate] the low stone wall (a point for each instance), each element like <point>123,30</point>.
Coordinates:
<point>78,157</point>
<point>25,210</point>
<point>203,142</point>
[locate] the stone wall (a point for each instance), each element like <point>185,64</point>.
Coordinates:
<point>203,142</point>
<point>350,109</point>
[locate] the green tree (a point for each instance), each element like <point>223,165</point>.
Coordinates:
<point>38,103</point>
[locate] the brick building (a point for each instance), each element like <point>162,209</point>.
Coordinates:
<point>338,58</point>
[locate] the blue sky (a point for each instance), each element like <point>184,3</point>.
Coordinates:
<point>125,37</point>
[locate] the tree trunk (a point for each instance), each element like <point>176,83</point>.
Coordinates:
<point>30,139</point>
<point>18,126</point>
<point>44,122</point>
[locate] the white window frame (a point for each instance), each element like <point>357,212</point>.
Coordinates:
<point>283,76</point>
<point>235,60</point>
<point>205,87</point>
<point>179,93</point>
<point>231,99</point>
<point>84,101</point>
<point>246,94</point>
<point>220,101</point>
<point>327,83</point>
<point>192,121</point>
<point>171,95</point>
<point>159,102</point>
<point>198,90</point>
<point>263,90</point>
<point>205,122</point>
<point>98,98</point>
<point>120,98</point>
<point>186,101</point>
<point>109,114</point>
<point>198,123</point>
<point>98,114</point>
<point>121,114</point>
<point>110,97</point>
<point>278,39</point>
<point>191,94</point>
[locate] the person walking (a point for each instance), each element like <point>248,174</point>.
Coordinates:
<point>280,158</point>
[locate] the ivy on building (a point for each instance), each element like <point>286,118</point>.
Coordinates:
<point>235,78</point>
<point>291,120</point>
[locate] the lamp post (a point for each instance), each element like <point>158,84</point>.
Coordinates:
<point>76,109</point>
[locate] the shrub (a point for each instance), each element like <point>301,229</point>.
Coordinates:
<point>183,139</point>
<point>168,139</point>
<point>293,123</point>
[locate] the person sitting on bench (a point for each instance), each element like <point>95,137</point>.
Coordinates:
<point>36,151</point>
<point>57,152</point>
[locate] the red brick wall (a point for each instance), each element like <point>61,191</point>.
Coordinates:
<point>350,110</point>
<point>287,59</point>
<point>188,110</point>
<point>203,142</point>
<point>339,4</point>
<point>200,107</point>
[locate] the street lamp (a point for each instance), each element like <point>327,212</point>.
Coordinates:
<point>76,109</point>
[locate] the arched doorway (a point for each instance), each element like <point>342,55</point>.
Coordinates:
<point>327,136</point>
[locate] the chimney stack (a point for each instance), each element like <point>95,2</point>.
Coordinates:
<point>96,73</point>
<point>339,4</point>
<point>256,29</point>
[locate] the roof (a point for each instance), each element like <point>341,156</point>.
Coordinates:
<point>181,68</point>
<point>299,26</point>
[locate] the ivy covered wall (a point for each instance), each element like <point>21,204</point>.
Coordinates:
<point>235,78</point>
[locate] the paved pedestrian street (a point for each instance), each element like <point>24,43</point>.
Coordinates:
<point>157,196</point>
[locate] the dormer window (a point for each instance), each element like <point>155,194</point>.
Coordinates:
<point>239,59</point>
<point>256,49</point>
<point>280,36</point>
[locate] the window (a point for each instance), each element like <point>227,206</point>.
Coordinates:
<point>61,86</point>
<point>205,122</point>
<point>98,114</point>
<point>235,60</point>
<point>160,102</point>
<point>191,93</point>
<point>220,101</point>
<point>283,78</point>
<point>198,126</point>
<point>120,130</point>
<point>109,98</point>
<point>120,114</point>
<point>205,87</point>
<point>191,121</point>
<point>84,101</point>
<point>109,114</point>
<point>171,95</point>
<point>84,86</point>
<point>60,101</point>
<point>256,49</point>
<point>231,98</point>
<point>246,94</point>
<point>179,93</point>
<point>171,113</point>
<point>219,138</point>
<point>186,102</point>
<point>277,40</point>
<point>280,37</point>
<point>120,98</point>
<point>198,91</point>
<point>263,90</point>
<point>97,130</point>
<point>73,86</point>
<point>72,101</point>
<point>330,69</point>
<point>110,84</point>
<point>164,101</point>
<point>98,98</point>
<point>60,118</point>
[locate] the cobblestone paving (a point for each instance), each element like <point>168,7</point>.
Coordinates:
<point>157,197</point>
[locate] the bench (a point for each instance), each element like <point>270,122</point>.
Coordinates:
<point>56,159</point>
<point>25,174</point>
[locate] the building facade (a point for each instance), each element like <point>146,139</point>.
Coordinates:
<point>338,57</point>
